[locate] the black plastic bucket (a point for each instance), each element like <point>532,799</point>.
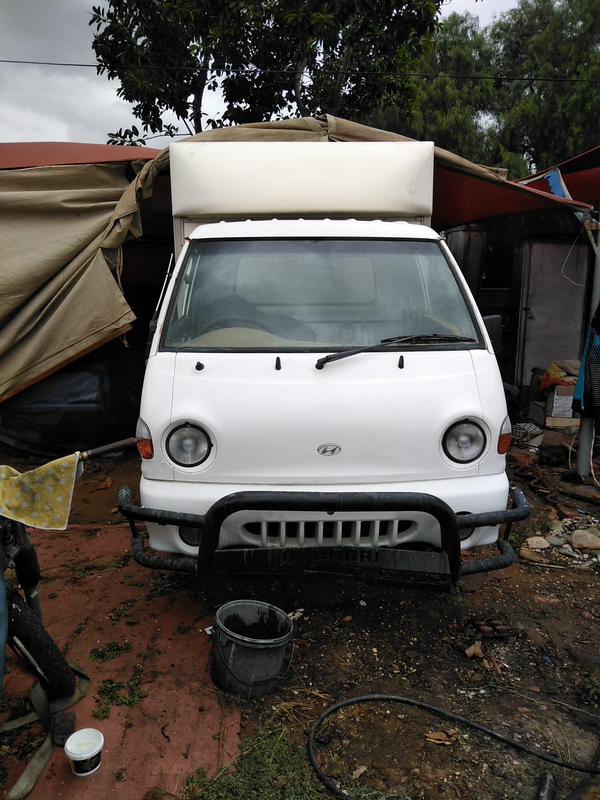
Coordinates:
<point>249,643</point>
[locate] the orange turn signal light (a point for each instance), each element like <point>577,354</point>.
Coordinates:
<point>145,448</point>
<point>504,441</point>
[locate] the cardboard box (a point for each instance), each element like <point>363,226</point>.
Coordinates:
<point>560,402</point>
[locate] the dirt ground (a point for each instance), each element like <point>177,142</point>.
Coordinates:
<point>534,675</point>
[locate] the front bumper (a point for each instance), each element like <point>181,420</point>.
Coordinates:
<point>442,567</point>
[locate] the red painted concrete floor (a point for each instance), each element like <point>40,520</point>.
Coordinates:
<point>94,594</point>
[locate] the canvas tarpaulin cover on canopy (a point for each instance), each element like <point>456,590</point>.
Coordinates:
<point>59,233</point>
<point>62,228</point>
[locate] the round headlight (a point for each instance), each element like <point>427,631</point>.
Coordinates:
<point>188,445</point>
<point>464,442</point>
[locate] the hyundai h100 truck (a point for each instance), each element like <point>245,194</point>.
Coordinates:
<point>321,392</point>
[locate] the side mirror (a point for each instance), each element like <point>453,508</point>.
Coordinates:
<point>493,323</point>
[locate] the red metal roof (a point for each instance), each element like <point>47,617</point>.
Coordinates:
<point>460,197</point>
<point>16,155</point>
<point>580,174</point>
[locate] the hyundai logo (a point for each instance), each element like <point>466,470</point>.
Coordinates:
<point>329,449</point>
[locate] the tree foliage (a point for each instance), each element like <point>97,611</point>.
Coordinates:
<point>269,58</point>
<point>451,106</point>
<point>521,93</point>
<point>553,47</point>
<point>160,53</point>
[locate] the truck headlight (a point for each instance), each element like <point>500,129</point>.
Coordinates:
<point>188,445</point>
<point>464,442</point>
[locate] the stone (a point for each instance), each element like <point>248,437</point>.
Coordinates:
<point>502,629</point>
<point>531,555</point>
<point>584,540</point>
<point>537,543</point>
<point>557,527</point>
<point>566,550</point>
<point>595,531</point>
<point>555,541</point>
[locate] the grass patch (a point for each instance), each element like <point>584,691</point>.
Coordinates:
<point>164,584</point>
<point>109,651</point>
<point>118,693</point>
<point>130,577</point>
<point>454,596</point>
<point>520,532</point>
<point>124,610</point>
<point>86,568</point>
<point>268,767</point>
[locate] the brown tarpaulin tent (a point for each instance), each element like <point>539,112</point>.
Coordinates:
<point>62,228</point>
<point>60,234</point>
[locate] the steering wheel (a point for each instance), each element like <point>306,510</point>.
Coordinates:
<point>235,322</point>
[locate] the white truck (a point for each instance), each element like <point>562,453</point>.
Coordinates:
<point>321,392</point>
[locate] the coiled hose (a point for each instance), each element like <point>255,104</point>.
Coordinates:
<point>333,788</point>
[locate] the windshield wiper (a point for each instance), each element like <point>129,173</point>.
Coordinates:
<point>422,338</point>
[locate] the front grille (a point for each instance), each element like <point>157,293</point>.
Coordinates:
<point>289,533</point>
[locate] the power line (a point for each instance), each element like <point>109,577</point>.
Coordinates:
<point>258,71</point>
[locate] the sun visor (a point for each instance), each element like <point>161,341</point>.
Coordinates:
<point>233,180</point>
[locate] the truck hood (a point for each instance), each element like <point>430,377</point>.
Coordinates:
<point>361,419</point>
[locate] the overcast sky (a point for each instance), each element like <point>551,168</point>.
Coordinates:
<point>73,104</point>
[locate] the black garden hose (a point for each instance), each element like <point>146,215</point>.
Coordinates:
<point>333,788</point>
<point>579,791</point>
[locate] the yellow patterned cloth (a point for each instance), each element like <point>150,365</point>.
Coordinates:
<point>40,498</point>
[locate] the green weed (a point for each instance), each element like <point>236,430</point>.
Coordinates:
<point>268,767</point>
<point>109,651</point>
<point>117,693</point>
<point>86,568</point>
<point>164,584</point>
<point>124,610</point>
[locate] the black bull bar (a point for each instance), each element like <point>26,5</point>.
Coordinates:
<point>442,567</point>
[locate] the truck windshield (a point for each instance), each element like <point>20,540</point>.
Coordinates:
<point>314,294</point>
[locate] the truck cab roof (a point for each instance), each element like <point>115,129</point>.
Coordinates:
<point>308,228</point>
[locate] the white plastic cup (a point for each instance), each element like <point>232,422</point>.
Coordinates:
<point>84,751</point>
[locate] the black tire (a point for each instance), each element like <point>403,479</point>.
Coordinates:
<point>28,637</point>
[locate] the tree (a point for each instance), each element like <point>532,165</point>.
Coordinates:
<point>455,101</point>
<point>553,48</point>
<point>160,52</point>
<point>452,104</point>
<point>532,100</point>
<point>269,58</point>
